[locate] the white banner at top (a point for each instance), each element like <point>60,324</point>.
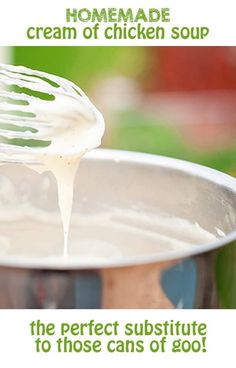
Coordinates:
<point>117,23</point>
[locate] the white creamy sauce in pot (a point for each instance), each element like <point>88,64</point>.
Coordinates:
<point>47,124</point>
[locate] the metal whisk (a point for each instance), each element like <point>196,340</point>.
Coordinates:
<point>33,107</point>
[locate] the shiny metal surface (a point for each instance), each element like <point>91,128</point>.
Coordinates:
<point>203,277</point>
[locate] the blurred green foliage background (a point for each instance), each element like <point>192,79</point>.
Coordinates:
<point>129,125</point>
<point>83,65</point>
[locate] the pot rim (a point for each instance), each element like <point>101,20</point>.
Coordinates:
<point>119,156</point>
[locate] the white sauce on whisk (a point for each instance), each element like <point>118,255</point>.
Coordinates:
<point>55,112</point>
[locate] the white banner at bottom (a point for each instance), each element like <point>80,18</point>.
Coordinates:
<point>111,338</point>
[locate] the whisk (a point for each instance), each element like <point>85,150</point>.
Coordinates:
<point>43,113</point>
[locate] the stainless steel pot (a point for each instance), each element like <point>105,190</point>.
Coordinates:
<point>201,277</point>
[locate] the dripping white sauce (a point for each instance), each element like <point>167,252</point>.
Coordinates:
<point>59,118</point>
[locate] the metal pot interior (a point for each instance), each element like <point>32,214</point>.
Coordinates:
<point>108,178</point>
